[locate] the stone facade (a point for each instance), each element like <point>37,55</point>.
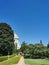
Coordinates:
<point>16,41</point>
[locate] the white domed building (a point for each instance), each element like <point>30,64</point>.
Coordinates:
<point>16,41</point>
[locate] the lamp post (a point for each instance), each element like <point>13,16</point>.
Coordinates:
<point>8,54</point>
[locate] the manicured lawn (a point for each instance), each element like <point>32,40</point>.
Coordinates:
<point>11,61</point>
<point>2,58</point>
<point>37,62</point>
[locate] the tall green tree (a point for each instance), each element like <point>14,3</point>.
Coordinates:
<point>48,45</point>
<point>6,39</point>
<point>23,47</point>
<point>41,41</point>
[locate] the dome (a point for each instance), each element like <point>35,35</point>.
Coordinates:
<point>16,36</point>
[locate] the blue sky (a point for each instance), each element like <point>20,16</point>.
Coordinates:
<point>28,18</point>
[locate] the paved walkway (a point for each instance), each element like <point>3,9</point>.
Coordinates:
<point>21,62</point>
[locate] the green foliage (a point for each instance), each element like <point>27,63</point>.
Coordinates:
<point>37,50</point>
<point>41,41</point>
<point>23,47</point>
<point>6,39</point>
<point>48,45</point>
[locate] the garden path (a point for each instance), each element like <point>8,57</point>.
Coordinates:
<point>21,62</point>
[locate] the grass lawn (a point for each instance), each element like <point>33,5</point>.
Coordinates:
<point>37,62</point>
<point>2,58</point>
<point>11,61</point>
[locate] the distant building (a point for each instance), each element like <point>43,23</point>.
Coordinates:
<point>16,41</point>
